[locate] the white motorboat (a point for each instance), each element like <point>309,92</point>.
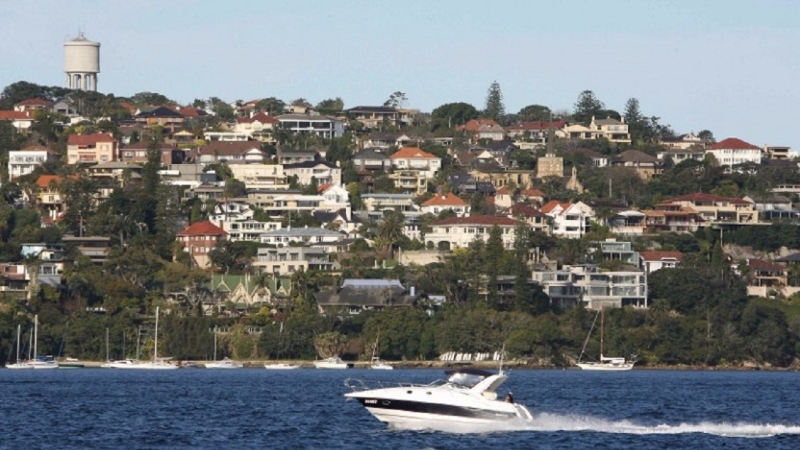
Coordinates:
<point>225,363</point>
<point>605,363</point>
<point>332,363</point>
<point>467,396</point>
<point>281,366</point>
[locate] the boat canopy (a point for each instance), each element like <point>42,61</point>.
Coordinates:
<point>467,377</point>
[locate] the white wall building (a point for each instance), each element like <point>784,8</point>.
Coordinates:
<point>324,172</point>
<point>260,176</point>
<point>459,232</point>
<point>323,126</point>
<point>732,151</point>
<point>569,220</point>
<point>22,162</point>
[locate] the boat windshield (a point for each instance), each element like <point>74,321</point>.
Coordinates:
<point>465,379</point>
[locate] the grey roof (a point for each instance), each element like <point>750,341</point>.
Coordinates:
<point>304,117</point>
<point>371,283</point>
<point>369,153</point>
<point>371,293</point>
<point>794,257</point>
<point>308,165</point>
<point>379,195</point>
<point>115,165</point>
<point>384,109</point>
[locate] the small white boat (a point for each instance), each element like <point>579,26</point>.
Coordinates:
<point>281,366</point>
<point>19,364</point>
<point>605,363</point>
<point>37,362</point>
<point>332,363</point>
<point>376,363</point>
<point>156,364</point>
<point>225,363</point>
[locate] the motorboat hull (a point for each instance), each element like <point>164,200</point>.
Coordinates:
<point>381,366</point>
<point>404,412</point>
<point>281,366</point>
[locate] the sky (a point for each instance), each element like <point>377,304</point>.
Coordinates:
<point>729,66</point>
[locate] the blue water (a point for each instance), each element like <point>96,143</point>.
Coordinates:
<point>261,409</point>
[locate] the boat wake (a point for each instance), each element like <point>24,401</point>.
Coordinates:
<point>546,422</point>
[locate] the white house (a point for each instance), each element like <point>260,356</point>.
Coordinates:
<point>651,261</point>
<point>306,236</point>
<point>260,176</point>
<point>322,126</point>
<point>413,158</point>
<point>459,232</point>
<point>21,120</point>
<point>569,220</point>
<point>732,151</point>
<point>335,197</point>
<point>219,151</point>
<point>442,202</point>
<point>22,162</point>
<point>323,171</point>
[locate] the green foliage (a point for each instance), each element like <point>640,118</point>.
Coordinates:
<point>451,114</point>
<point>534,113</point>
<point>495,109</point>
<point>587,106</point>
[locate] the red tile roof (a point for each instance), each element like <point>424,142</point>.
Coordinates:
<point>224,148</point>
<point>475,124</point>
<point>448,199</point>
<point>660,255</point>
<point>521,209</point>
<point>260,117</point>
<point>532,193</point>
<point>478,220</point>
<point>204,228</point>
<point>412,152</point>
<point>34,102</point>
<point>765,266</point>
<point>705,198</point>
<point>503,191</point>
<point>552,204</point>
<point>36,148</point>
<point>44,180</point>
<point>189,111</point>
<point>15,115</point>
<point>732,144</point>
<point>323,187</point>
<point>89,139</point>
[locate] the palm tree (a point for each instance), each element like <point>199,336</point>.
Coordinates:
<point>391,229</point>
<point>368,228</point>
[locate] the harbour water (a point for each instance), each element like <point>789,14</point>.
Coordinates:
<point>257,409</point>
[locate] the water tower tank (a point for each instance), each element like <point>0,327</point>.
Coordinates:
<point>82,63</point>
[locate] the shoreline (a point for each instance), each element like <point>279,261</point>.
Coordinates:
<point>488,365</point>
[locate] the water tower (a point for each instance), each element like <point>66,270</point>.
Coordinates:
<point>82,63</point>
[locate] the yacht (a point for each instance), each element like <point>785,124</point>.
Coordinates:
<point>225,363</point>
<point>281,366</point>
<point>37,362</point>
<point>466,396</point>
<point>605,363</point>
<point>375,362</point>
<point>156,364</point>
<point>19,364</point>
<point>332,363</point>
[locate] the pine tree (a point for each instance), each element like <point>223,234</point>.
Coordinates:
<point>495,109</point>
<point>632,113</point>
<point>494,258</point>
<point>587,106</point>
<point>522,291</point>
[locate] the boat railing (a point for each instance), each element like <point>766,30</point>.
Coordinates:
<point>358,385</point>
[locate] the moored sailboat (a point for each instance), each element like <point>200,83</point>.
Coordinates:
<point>605,363</point>
<point>155,364</point>
<point>225,363</point>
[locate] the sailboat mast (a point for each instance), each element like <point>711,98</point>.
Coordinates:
<point>19,330</point>
<point>107,356</point>
<point>215,343</point>
<point>35,336</point>
<point>602,328</point>
<point>155,349</point>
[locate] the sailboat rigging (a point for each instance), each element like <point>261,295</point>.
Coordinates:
<point>605,363</point>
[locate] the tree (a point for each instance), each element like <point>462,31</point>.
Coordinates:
<point>632,112</point>
<point>331,104</point>
<point>534,113</point>
<point>396,100</point>
<point>301,102</point>
<point>271,106</point>
<point>495,109</point>
<point>149,99</point>
<point>494,258</point>
<point>451,114</point>
<point>586,107</point>
<point>391,229</point>
<point>707,136</point>
<point>222,109</point>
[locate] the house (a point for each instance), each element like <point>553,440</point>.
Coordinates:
<point>322,172</point>
<point>137,153</point>
<point>370,160</point>
<point>627,223</point>
<point>297,156</point>
<point>613,250</point>
<point>260,127</point>
<point>779,152</point>
<point>305,236</point>
<point>484,129</point>
<point>48,196</point>
<point>733,151</point>
<point>32,104</point>
<point>244,292</point>
<point>260,176</point>
<point>382,202</point>
<point>652,260</point>
<point>596,289</point>
<point>323,126</point>
<point>93,247</point>
<point>646,166</point>
<point>536,132</point>
<point>64,106</point>
<point>21,120</point>
<point>199,239</point>
<point>217,152</point>
<point>611,129</point>
<point>383,140</point>
<point>25,161</point>
<point>335,198</point>
<point>188,112</point>
<point>414,182</point>
<point>460,232</point>
<point>764,276</point>
<point>569,220</point>
<point>375,117</point>
<point>672,217</point>
<point>414,158</point>
<point>535,219</point>
<point>114,174</point>
<point>91,148</point>
<point>717,209</point>
<point>161,116</point>
<point>187,175</point>
<point>288,260</point>
<point>225,136</point>
<point>464,183</point>
<point>773,206</point>
<point>231,210</point>
<point>357,295</point>
<point>677,155</point>
<point>49,263</point>
<point>442,202</point>
<point>683,142</point>
<point>342,220</point>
